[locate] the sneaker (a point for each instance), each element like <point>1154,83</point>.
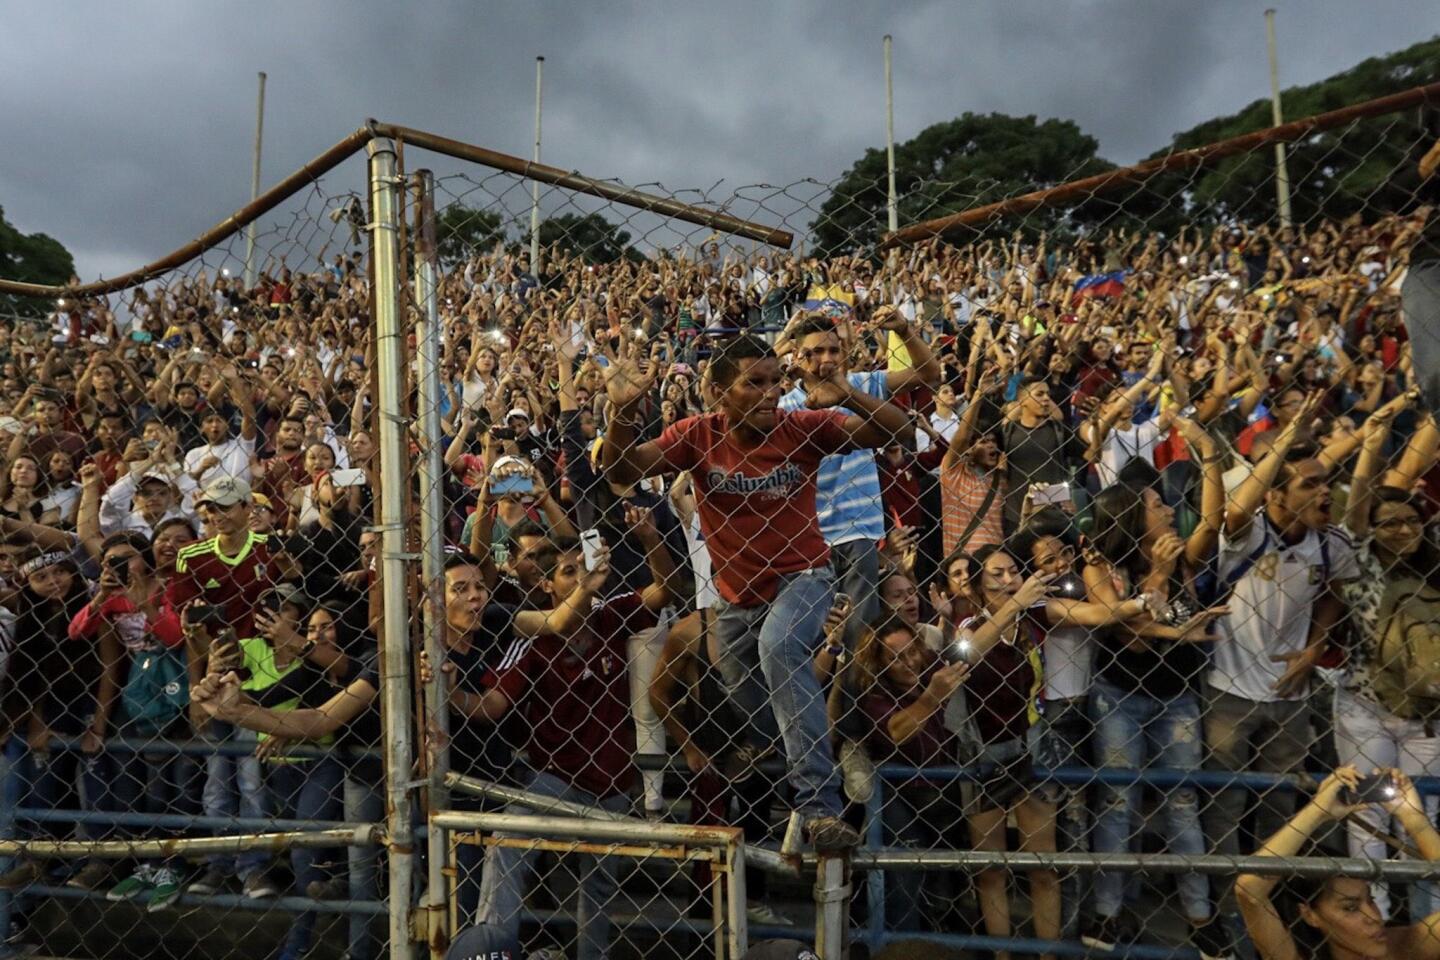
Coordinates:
<point>212,881</point>
<point>258,886</point>
<point>165,890</point>
<point>857,771</point>
<point>336,888</point>
<point>829,834</point>
<point>22,874</point>
<point>1213,940</point>
<point>133,887</point>
<point>739,766</point>
<point>1103,933</point>
<point>92,876</point>
<point>764,915</point>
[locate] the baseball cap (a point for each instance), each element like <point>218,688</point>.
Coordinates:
<point>780,950</point>
<point>261,501</point>
<point>291,594</point>
<point>156,475</point>
<point>483,942</point>
<point>226,492</point>
<point>517,412</point>
<point>510,463</point>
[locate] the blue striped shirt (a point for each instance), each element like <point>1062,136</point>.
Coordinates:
<point>847,486</point>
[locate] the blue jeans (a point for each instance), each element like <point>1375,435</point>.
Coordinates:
<point>235,785</point>
<point>857,573</point>
<point>507,873</point>
<point>1063,740</point>
<point>921,816</point>
<point>364,803</point>
<point>766,659</point>
<point>306,790</point>
<point>1132,731</point>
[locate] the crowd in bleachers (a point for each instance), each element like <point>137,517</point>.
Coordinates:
<point>1119,500</point>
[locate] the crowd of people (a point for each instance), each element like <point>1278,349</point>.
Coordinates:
<point>949,519</point>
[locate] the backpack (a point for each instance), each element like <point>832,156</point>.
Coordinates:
<point>1406,675</point>
<point>156,693</point>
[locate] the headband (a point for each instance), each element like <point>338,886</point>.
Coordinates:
<point>43,561</point>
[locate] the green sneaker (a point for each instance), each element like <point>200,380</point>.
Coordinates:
<point>135,886</point>
<point>165,891</point>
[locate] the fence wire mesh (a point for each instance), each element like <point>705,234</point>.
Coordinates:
<point>1097,531</point>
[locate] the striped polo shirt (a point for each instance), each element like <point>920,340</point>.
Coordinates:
<point>847,496</point>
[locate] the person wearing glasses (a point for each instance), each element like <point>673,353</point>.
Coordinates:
<point>1382,717</point>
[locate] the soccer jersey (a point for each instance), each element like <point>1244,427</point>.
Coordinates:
<point>577,704</point>
<point>204,573</point>
<point>757,505</point>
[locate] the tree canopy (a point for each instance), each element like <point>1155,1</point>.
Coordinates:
<point>589,236</point>
<point>952,166</point>
<point>30,258</point>
<point>1369,164</point>
<point>462,231</point>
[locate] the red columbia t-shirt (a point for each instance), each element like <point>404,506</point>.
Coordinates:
<point>577,705</point>
<point>757,505</point>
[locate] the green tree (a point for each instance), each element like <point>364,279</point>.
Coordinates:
<point>461,232</point>
<point>590,236</point>
<point>30,258</point>
<point>948,167</point>
<point>1366,166</point>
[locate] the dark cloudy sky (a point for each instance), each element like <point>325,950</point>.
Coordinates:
<point>128,126</point>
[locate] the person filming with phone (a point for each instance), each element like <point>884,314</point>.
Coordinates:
<point>1337,917</point>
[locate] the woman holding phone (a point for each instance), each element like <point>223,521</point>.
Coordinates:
<point>1336,917</point>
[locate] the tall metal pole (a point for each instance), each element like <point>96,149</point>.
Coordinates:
<point>432,543</point>
<point>535,184</point>
<point>891,205</point>
<point>255,184</point>
<point>1282,172</point>
<point>394,566</point>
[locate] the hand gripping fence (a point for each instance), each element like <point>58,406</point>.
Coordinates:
<point>1016,581</point>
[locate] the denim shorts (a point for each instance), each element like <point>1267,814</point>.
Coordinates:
<point>1008,778</point>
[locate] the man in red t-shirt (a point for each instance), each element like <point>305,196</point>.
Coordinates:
<point>753,467</point>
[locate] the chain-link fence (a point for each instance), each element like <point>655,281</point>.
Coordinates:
<point>1036,564</point>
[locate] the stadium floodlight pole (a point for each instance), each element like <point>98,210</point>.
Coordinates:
<point>429,330</point>
<point>892,209</point>
<point>1282,171</point>
<point>394,559</point>
<point>535,184</point>
<point>255,184</point>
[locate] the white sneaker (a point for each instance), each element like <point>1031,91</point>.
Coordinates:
<point>857,771</point>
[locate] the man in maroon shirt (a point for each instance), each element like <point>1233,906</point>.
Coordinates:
<point>574,695</point>
<point>753,467</point>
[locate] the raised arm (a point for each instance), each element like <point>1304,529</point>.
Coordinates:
<point>624,460</point>
<point>1418,458</point>
<point>1251,492</point>
<point>1376,432</point>
<point>1203,539</point>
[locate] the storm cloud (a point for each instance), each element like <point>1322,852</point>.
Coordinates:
<point>128,126</point>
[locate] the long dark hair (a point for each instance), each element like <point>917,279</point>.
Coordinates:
<point>1118,527</point>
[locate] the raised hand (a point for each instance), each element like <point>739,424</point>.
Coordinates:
<point>820,394</point>
<point>627,380</point>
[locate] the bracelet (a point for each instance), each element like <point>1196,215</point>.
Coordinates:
<point>836,650</point>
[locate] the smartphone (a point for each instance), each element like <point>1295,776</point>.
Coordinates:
<point>591,543</point>
<point>1377,788</point>
<point>506,486</point>
<point>141,336</point>
<point>1045,494</point>
<point>502,433</point>
<point>206,614</point>
<point>120,566</point>
<point>348,478</point>
<point>1069,586</point>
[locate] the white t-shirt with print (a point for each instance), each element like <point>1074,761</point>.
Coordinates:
<point>1272,603</point>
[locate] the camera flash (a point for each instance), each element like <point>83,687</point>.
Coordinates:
<point>224,271</point>
<point>1234,284</point>
<point>1184,260</point>
<point>60,303</point>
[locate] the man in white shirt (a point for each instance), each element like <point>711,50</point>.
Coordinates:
<point>142,502</point>
<point>1279,559</point>
<point>222,455</point>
